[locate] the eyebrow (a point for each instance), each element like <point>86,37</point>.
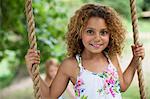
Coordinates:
<point>94,29</point>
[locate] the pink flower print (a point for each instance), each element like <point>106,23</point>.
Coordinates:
<point>107,81</point>
<point>78,89</point>
<point>80,82</point>
<point>112,92</point>
<point>111,81</point>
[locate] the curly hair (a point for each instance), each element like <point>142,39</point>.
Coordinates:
<point>79,20</point>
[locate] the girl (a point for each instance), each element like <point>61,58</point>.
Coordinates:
<point>95,40</point>
<point>51,67</point>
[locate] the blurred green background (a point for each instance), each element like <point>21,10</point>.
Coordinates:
<point>51,18</point>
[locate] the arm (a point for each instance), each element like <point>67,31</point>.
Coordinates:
<point>126,77</point>
<point>138,51</point>
<point>61,80</point>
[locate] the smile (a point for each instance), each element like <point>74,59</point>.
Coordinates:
<point>96,45</point>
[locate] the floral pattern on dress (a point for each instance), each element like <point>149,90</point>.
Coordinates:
<point>78,88</point>
<point>111,82</point>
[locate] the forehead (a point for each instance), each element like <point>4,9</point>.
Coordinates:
<point>96,22</point>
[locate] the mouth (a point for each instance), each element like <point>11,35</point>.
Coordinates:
<point>96,45</point>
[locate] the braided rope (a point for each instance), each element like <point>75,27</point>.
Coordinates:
<point>33,45</point>
<point>136,41</point>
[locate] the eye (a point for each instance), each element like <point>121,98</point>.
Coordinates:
<point>103,33</point>
<point>90,32</point>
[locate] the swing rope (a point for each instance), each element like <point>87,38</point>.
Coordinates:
<point>33,45</point>
<point>136,41</point>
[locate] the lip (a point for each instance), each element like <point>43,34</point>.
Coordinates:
<point>96,45</point>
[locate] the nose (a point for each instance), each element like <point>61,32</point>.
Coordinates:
<point>97,37</point>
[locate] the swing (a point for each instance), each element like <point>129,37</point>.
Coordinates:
<point>33,45</point>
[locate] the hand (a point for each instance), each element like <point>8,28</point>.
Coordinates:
<point>32,57</point>
<point>138,51</point>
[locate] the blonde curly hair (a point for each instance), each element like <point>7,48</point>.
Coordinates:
<point>79,20</point>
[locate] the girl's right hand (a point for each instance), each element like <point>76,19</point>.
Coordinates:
<point>32,57</point>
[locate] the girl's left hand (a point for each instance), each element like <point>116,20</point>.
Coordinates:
<point>138,51</point>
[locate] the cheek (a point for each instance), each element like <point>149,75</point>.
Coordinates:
<point>86,38</point>
<point>107,38</point>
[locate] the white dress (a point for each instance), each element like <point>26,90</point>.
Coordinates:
<point>90,85</point>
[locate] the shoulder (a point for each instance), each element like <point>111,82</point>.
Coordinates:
<point>68,65</point>
<point>69,62</point>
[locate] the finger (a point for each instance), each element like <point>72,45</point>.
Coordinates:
<point>28,58</point>
<point>32,51</point>
<point>33,55</point>
<point>133,47</point>
<point>139,44</point>
<point>139,49</point>
<point>33,62</point>
<point>139,54</point>
<point>34,58</point>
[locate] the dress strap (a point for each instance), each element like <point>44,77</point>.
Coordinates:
<point>78,58</point>
<point>108,58</point>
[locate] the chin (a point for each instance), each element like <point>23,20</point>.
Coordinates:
<point>96,51</point>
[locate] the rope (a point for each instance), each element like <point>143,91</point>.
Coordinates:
<point>136,41</point>
<point>33,45</point>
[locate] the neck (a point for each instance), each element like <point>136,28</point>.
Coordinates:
<point>92,56</point>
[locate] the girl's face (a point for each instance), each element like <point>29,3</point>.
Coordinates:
<point>95,36</point>
<point>52,71</point>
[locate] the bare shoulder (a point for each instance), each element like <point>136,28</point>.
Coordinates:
<point>69,66</point>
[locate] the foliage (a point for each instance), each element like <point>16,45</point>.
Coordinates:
<point>121,6</point>
<point>51,18</point>
<point>146,5</point>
